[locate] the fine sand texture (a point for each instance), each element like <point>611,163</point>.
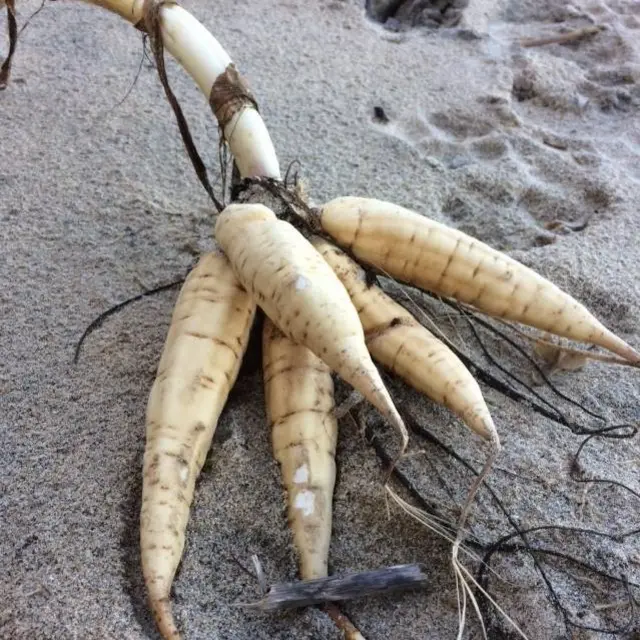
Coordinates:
<point>533,149</point>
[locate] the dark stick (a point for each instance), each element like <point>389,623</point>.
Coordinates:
<point>292,595</point>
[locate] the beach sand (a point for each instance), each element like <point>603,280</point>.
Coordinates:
<point>98,202</point>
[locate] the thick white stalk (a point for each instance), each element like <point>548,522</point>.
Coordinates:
<point>204,59</point>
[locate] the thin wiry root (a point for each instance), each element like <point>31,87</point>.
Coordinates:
<point>462,575</point>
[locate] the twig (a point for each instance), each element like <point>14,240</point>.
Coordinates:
<point>292,595</point>
<point>563,38</point>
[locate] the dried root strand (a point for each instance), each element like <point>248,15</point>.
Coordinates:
<point>563,38</point>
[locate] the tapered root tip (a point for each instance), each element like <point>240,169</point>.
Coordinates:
<point>164,619</point>
<point>618,346</point>
<point>391,413</point>
<point>483,425</point>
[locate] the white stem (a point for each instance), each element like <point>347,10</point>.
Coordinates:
<point>251,145</point>
<point>204,59</point>
<point>191,44</point>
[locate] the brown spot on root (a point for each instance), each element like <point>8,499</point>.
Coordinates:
<point>207,381</point>
<point>379,331</point>
<point>293,413</point>
<point>164,618</point>
<point>358,228</point>
<point>304,443</point>
<point>268,377</point>
<point>214,339</point>
<point>230,93</point>
<point>479,294</point>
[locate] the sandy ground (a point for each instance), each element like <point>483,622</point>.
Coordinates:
<point>99,202</point>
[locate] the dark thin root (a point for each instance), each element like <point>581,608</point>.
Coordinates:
<point>298,212</point>
<point>606,431</point>
<point>296,207</point>
<point>618,432</point>
<point>504,370</point>
<point>498,385</point>
<point>503,387</point>
<point>33,15</point>
<point>223,162</point>
<point>386,460</point>
<point>95,324</point>
<point>12,27</point>
<point>152,24</point>
<point>482,575</point>
<point>632,532</point>
<point>295,175</point>
<point>501,546</point>
<point>536,366</point>
<point>236,182</point>
<point>582,563</point>
<point>134,81</point>
<point>418,429</point>
<point>576,472</point>
<point>146,48</point>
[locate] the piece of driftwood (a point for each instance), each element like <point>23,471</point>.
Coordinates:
<point>304,593</point>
